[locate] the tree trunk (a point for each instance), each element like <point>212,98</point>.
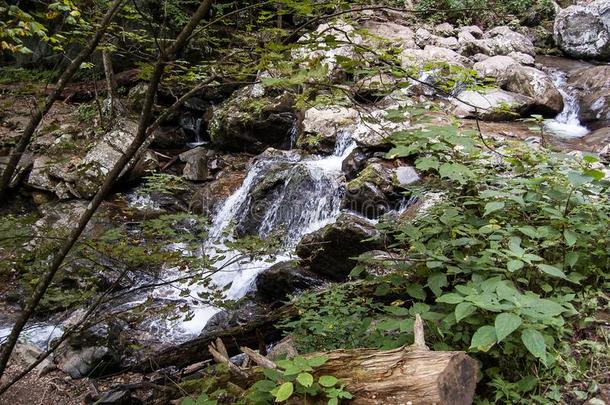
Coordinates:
<point>40,112</point>
<point>403,375</point>
<point>141,134</point>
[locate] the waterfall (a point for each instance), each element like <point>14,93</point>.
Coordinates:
<point>304,196</point>
<point>566,124</point>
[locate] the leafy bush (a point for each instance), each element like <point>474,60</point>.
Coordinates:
<point>501,266</point>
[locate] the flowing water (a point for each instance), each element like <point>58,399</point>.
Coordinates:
<point>566,124</point>
<point>305,196</point>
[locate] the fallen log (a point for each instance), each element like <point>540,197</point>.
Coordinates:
<point>404,375</point>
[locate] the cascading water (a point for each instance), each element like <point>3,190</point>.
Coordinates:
<point>566,124</point>
<point>296,196</point>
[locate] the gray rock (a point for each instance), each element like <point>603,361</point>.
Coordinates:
<point>247,123</point>
<point>99,161</point>
<point>398,35</point>
<point>283,279</point>
<point>495,66</point>
<point>593,86</point>
<point>322,125</point>
<point>329,251</point>
<point>583,30</point>
<point>136,95</point>
<point>114,397</point>
<point>537,85</point>
<point>196,168</point>
<point>88,361</point>
<point>491,105</point>
<point>444,29</point>
<point>498,41</point>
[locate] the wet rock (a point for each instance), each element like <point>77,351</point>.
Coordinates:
<point>100,160</point>
<point>247,123</point>
<point>248,311</point>
<point>492,104</point>
<point>498,41</point>
<point>196,168</point>
<point>377,189</point>
<point>283,279</point>
<point>329,251</point>
<point>147,165</point>
<point>209,199</point>
<point>169,137</point>
<point>593,85</point>
<point>354,163</point>
<point>537,85</point>
<point>322,126</point>
<point>583,30</point>
<point>88,361</point>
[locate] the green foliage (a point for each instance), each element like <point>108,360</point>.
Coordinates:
<point>480,11</point>
<point>202,399</point>
<point>496,267</point>
<point>295,378</point>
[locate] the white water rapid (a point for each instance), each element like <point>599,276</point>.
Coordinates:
<point>566,124</point>
<point>304,195</point>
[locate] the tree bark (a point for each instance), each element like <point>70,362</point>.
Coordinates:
<point>41,111</point>
<point>141,134</point>
<point>403,375</point>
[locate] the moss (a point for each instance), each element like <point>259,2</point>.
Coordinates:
<point>369,174</point>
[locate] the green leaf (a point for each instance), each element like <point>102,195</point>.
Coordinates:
<point>416,291</point>
<point>305,379</point>
<point>534,342</point>
<point>463,310</point>
<point>327,381</point>
<point>284,392</point>
<point>484,338</point>
<point>264,385</point>
<point>551,270</point>
<point>317,361</point>
<point>426,163</point>
<point>333,401</point>
<point>570,236</point>
<point>492,207</point>
<point>571,259</point>
<point>451,298</point>
<point>436,281</point>
<point>506,323</point>
<point>514,265</point>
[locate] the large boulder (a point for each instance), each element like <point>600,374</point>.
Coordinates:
<point>495,67</point>
<point>497,41</point>
<point>490,105</point>
<point>92,170</point>
<point>250,122</point>
<point>593,89</point>
<point>412,58</point>
<point>583,30</point>
<point>283,279</point>
<point>377,189</point>
<point>330,251</point>
<point>322,126</point>
<point>396,34</point>
<point>537,85</point>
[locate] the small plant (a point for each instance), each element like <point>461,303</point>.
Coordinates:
<point>294,377</point>
<point>202,399</point>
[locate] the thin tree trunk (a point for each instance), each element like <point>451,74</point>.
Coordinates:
<point>114,107</point>
<point>41,111</point>
<point>141,134</point>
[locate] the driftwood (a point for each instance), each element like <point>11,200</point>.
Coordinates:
<point>407,375</point>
